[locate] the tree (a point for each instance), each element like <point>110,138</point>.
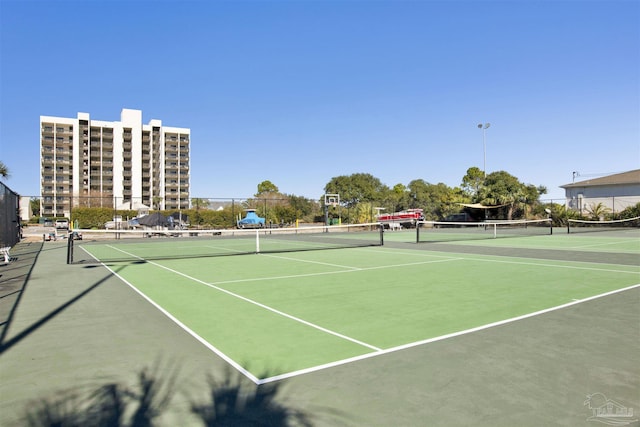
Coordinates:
<point>399,197</point>
<point>156,202</point>
<point>502,188</point>
<point>199,203</point>
<point>437,200</point>
<point>266,187</point>
<point>356,188</point>
<point>34,206</point>
<point>473,181</point>
<point>597,211</point>
<point>4,171</point>
<point>304,208</point>
<point>631,212</point>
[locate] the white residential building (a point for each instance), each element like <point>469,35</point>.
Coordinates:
<point>121,165</point>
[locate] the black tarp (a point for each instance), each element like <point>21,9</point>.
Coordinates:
<point>154,220</point>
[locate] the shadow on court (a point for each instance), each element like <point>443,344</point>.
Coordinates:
<point>4,346</point>
<point>116,404</point>
<point>13,282</point>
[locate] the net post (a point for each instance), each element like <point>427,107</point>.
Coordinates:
<point>495,230</point>
<point>418,232</point>
<point>381,229</point>
<point>70,249</point>
<point>257,242</point>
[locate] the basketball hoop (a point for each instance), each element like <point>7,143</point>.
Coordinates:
<point>332,200</point>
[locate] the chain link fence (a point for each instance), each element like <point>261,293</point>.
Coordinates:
<point>88,212</point>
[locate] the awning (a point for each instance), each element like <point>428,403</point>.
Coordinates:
<point>480,206</point>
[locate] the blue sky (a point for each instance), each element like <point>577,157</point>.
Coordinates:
<point>298,92</point>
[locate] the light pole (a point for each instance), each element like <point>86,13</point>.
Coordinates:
<point>484,145</point>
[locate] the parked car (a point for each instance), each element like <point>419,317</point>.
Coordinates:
<point>62,224</point>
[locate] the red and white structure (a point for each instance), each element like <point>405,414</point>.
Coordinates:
<point>406,218</point>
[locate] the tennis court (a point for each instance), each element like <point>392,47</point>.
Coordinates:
<point>285,312</point>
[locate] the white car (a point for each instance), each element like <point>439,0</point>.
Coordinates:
<point>62,224</point>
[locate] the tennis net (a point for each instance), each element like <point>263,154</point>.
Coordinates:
<point>445,231</point>
<point>140,245</point>
<point>585,226</point>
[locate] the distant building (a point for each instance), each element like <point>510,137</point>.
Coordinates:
<point>122,165</point>
<point>617,192</point>
<point>25,208</point>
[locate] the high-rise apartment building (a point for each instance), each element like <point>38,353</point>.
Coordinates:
<point>120,165</point>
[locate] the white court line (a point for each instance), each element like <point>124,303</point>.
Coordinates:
<point>440,338</point>
<point>377,351</point>
<point>492,258</point>
<point>204,342</point>
<point>600,244</point>
<point>325,273</point>
<point>266,307</point>
<point>312,262</point>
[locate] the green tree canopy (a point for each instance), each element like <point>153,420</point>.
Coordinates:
<point>437,200</point>
<point>399,197</point>
<point>266,187</point>
<point>502,188</point>
<point>473,181</point>
<point>4,171</point>
<point>356,188</point>
<point>199,203</point>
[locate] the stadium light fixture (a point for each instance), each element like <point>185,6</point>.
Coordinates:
<point>484,128</point>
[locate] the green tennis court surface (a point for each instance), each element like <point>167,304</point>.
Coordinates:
<point>274,315</point>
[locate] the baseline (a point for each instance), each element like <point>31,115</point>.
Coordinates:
<point>440,338</point>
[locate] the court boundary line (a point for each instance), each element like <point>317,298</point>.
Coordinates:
<point>256,303</point>
<point>184,327</point>
<point>504,260</point>
<point>441,337</point>
<point>376,351</point>
<point>324,273</point>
